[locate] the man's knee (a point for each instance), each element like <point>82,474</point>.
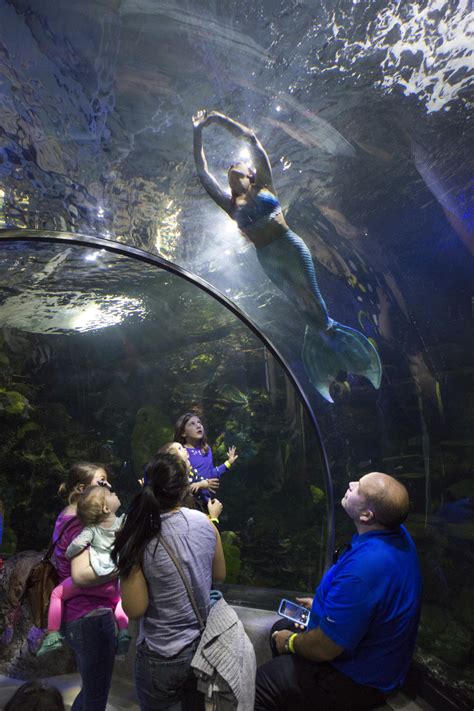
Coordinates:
<point>278,684</point>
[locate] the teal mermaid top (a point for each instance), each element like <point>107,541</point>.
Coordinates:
<point>263,207</point>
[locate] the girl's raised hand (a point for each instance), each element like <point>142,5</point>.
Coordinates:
<point>232,455</point>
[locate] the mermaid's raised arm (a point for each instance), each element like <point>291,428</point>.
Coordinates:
<point>212,187</point>
<point>264,177</point>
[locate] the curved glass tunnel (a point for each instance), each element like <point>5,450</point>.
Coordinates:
<point>365,110</point>
<point>100,355</point>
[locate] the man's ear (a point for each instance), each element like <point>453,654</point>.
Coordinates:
<point>367,516</point>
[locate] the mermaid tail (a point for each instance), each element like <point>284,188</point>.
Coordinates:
<point>338,348</point>
<point>329,347</point>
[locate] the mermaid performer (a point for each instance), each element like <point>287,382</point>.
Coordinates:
<point>329,347</point>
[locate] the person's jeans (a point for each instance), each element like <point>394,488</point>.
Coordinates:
<point>167,682</point>
<point>93,640</point>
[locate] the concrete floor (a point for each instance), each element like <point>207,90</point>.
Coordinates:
<point>122,696</point>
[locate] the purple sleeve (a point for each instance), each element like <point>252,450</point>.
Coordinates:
<point>217,472</point>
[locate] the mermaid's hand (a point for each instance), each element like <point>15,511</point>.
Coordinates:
<point>200,118</point>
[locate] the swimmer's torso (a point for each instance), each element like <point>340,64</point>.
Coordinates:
<point>259,217</point>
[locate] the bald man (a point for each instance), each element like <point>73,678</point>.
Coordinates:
<point>364,615</point>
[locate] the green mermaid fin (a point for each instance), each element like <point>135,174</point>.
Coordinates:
<point>327,352</point>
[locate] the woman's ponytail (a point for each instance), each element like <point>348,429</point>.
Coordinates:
<point>143,523</point>
<point>168,484</point>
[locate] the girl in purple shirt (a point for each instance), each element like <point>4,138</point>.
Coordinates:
<point>204,476</point>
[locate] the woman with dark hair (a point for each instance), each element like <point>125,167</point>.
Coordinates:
<point>329,347</point>
<point>35,696</point>
<point>88,620</point>
<point>153,590</point>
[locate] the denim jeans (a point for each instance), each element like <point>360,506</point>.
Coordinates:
<point>93,640</point>
<point>167,682</point>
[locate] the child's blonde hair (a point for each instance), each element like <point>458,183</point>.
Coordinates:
<point>91,504</point>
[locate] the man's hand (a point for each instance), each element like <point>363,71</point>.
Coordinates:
<point>305,602</point>
<point>213,484</point>
<point>280,638</point>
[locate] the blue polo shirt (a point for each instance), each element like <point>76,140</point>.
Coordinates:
<point>369,603</point>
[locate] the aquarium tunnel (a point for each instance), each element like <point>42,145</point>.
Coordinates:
<point>324,329</point>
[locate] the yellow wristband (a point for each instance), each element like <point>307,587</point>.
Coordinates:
<point>214,520</point>
<point>227,464</point>
<point>291,642</point>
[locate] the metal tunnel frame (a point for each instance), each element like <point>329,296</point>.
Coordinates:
<point>32,235</point>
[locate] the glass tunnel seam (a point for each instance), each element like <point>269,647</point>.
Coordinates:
<point>31,235</point>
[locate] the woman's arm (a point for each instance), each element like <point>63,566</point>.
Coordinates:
<point>223,199</point>
<point>218,563</point>
<point>264,177</point>
<point>134,591</point>
<point>83,574</point>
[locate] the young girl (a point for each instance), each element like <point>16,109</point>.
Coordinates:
<point>96,510</point>
<point>204,476</point>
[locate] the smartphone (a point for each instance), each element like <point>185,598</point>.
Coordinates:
<point>294,612</point>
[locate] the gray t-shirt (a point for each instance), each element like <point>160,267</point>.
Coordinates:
<point>170,624</point>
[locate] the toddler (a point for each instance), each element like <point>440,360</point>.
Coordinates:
<point>96,509</point>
